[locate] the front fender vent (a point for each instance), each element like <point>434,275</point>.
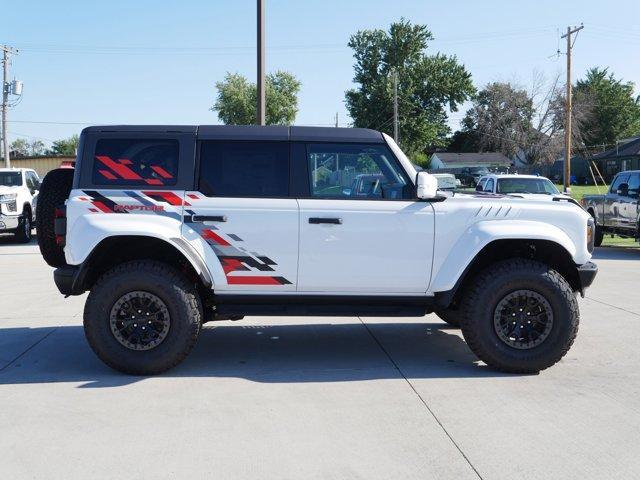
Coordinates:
<point>494,211</point>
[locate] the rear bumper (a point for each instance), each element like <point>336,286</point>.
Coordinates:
<point>587,273</point>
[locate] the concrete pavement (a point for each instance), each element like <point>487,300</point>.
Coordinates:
<point>326,398</point>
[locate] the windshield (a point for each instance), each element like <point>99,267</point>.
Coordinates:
<point>10,179</point>
<point>527,185</point>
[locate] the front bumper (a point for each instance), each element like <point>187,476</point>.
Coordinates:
<point>9,222</point>
<point>587,273</point>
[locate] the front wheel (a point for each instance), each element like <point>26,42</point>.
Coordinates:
<point>522,316</point>
<point>23,233</point>
<point>142,318</point>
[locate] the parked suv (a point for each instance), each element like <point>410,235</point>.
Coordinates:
<point>171,227</point>
<point>523,186</point>
<point>18,197</point>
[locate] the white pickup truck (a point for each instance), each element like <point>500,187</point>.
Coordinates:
<point>171,227</point>
<point>18,198</point>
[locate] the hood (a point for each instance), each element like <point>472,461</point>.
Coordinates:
<point>539,196</point>
<point>5,189</point>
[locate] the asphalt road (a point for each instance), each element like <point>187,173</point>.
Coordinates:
<point>319,398</point>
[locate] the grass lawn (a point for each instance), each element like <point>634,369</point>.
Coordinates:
<point>579,191</point>
<point>619,242</point>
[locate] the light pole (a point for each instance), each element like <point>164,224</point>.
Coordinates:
<point>260,82</point>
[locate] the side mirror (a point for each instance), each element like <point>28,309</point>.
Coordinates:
<point>426,186</point>
<point>346,192</point>
<point>479,188</point>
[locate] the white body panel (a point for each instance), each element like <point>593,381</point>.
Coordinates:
<point>88,225</point>
<point>465,224</point>
<point>263,232</point>
<point>380,246</point>
<point>267,245</point>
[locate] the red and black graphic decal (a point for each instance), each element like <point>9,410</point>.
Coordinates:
<point>167,197</point>
<point>121,169</point>
<point>100,203</point>
<point>234,259</point>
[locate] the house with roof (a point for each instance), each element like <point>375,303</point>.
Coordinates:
<point>625,156</point>
<point>451,160</point>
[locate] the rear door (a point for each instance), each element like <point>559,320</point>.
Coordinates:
<point>377,239</point>
<point>241,218</point>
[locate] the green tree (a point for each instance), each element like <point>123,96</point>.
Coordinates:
<point>236,99</point>
<point>615,110</point>
<point>507,118</point>
<point>65,146</point>
<point>428,85</point>
<point>25,148</point>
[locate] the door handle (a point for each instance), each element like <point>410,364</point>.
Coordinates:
<point>209,218</point>
<point>318,220</point>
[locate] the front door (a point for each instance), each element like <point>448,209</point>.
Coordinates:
<point>613,201</point>
<point>361,231</point>
<point>240,218</point>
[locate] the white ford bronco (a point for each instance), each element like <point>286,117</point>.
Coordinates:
<point>18,197</point>
<point>171,227</point>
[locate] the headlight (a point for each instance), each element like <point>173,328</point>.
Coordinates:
<point>8,197</point>
<point>591,234</point>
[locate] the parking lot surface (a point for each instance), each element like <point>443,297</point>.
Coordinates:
<point>325,398</point>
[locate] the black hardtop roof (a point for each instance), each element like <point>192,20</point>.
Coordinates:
<point>253,132</point>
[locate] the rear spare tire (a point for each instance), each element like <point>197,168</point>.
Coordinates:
<point>54,190</point>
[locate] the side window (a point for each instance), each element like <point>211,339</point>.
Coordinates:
<point>355,172</point>
<point>619,180</point>
<point>135,162</point>
<point>634,185</point>
<point>244,169</point>
<point>29,181</point>
<point>489,186</point>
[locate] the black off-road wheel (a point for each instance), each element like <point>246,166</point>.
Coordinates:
<point>522,316</point>
<point>449,315</point>
<point>142,317</point>
<point>54,190</point>
<point>23,233</point>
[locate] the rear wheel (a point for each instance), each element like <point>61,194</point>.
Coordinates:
<point>142,318</point>
<point>522,316</point>
<point>54,190</point>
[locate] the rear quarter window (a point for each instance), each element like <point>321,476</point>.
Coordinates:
<point>125,162</point>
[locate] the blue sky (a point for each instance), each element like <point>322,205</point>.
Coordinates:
<point>156,62</point>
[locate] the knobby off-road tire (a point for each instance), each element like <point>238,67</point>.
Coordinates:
<point>450,316</point>
<point>54,190</point>
<point>23,233</point>
<point>506,278</point>
<point>179,300</point>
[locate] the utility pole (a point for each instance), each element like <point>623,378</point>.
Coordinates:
<point>6,51</point>
<point>396,133</point>
<point>337,120</point>
<point>260,82</point>
<point>568,111</point>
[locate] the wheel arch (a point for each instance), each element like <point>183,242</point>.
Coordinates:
<point>546,251</point>
<point>114,250</point>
